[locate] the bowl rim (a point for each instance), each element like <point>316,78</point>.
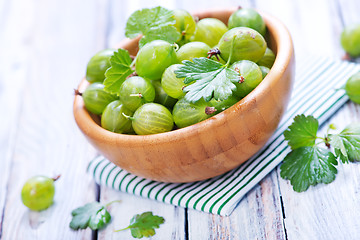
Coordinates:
<point>284,54</point>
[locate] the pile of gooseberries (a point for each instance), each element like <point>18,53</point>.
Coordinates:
<point>153,99</point>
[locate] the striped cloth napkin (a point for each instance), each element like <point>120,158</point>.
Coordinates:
<point>315,93</point>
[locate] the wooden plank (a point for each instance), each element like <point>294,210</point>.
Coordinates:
<point>325,211</point>
<point>11,89</point>
<point>58,44</point>
<point>131,205</point>
<point>258,216</point>
<point>122,212</point>
<point>12,80</point>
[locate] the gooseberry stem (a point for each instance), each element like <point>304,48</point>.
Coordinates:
<point>231,51</point>
<point>109,203</point>
<point>136,95</point>
<point>128,117</point>
<point>56,178</point>
<point>77,92</point>
<point>210,110</point>
<point>122,229</point>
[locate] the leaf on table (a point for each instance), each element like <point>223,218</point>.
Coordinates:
<point>152,23</point>
<point>143,225</point>
<point>120,69</point>
<point>211,79</point>
<point>302,132</point>
<point>93,215</point>
<point>347,143</point>
<point>308,166</point>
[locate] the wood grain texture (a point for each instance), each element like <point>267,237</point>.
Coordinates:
<point>44,50</point>
<point>12,79</point>
<point>172,229</point>
<point>258,216</point>
<point>50,53</point>
<point>327,211</point>
<point>324,211</point>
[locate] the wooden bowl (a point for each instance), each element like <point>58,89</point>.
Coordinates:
<point>213,146</point>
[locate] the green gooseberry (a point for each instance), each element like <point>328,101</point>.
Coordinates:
<point>187,113</point>
<point>264,71</point>
<point>152,118</point>
<point>350,39</point>
<point>268,59</point>
<point>192,50</point>
<point>96,98</point>
<point>209,31</point>
<point>185,25</point>
<point>153,58</point>
<point>352,88</point>
<point>98,64</point>
<point>249,77</point>
<point>161,96</point>
<point>38,192</point>
<point>247,17</point>
<point>136,91</point>
<point>243,43</point>
<point>113,118</point>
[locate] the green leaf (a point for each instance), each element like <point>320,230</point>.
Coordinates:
<point>120,69</point>
<point>93,215</point>
<point>347,143</point>
<point>152,23</point>
<point>308,166</point>
<point>302,132</point>
<point>166,33</point>
<point>211,79</point>
<point>144,225</point>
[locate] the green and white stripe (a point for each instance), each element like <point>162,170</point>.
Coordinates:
<point>314,93</point>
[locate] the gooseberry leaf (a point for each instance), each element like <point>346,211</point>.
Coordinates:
<point>307,166</point>
<point>167,33</point>
<point>93,215</point>
<point>302,132</point>
<point>143,225</point>
<point>152,23</point>
<point>347,143</point>
<point>120,69</point>
<point>210,79</point>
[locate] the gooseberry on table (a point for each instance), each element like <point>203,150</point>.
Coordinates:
<point>38,192</point>
<point>352,88</point>
<point>350,39</point>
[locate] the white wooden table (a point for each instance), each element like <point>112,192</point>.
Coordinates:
<point>44,49</point>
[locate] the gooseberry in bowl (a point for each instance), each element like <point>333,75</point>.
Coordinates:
<point>242,43</point>
<point>247,17</point>
<point>215,145</point>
